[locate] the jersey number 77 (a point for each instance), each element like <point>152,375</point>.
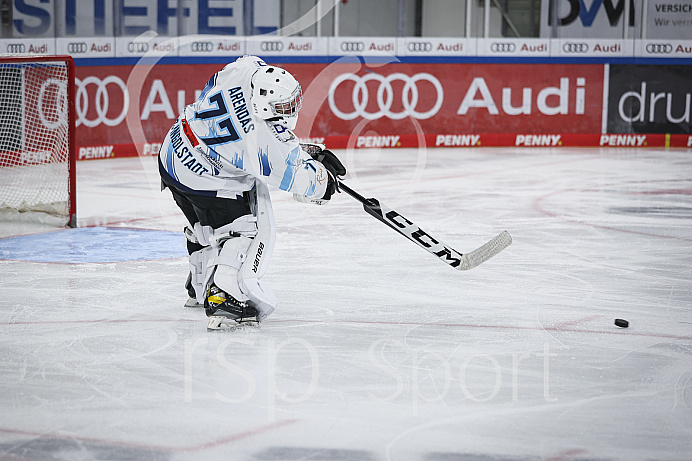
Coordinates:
<point>223,126</point>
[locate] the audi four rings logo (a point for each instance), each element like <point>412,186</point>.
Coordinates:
<point>271,46</point>
<point>350,47</point>
<point>53,119</point>
<point>101,100</point>
<point>201,47</point>
<point>571,47</point>
<point>419,46</point>
<point>137,47</point>
<point>77,47</point>
<point>16,48</point>
<point>659,48</point>
<point>502,47</point>
<point>360,96</point>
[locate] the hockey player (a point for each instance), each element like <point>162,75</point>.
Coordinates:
<point>217,161</point>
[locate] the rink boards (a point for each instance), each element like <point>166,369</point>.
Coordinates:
<point>126,105</point>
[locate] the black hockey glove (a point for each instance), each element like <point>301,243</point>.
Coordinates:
<point>335,168</point>
<point>331,162</point>
<point>326,157</point>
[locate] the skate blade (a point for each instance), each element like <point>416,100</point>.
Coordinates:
<point>225,324</point>
<point>192,302</point>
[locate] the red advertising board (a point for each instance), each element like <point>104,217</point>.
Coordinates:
<point>126,110</point>
<point>464,98</point>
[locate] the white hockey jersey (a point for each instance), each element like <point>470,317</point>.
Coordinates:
<point>218,147</point>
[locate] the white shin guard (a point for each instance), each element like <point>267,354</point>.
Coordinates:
<point>259,254</point>
<point>204,261</point>
<point>237,255</point>
<point>231,258</point>
<point>200,261</point>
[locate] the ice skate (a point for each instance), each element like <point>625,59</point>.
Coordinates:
<point>192,297</point>
<point>192,302</point>
<point>227,313</point>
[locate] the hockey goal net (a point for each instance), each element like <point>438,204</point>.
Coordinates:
<point>37,154</point>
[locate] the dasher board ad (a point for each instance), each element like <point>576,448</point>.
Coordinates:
<point>355,104</point>
<point>649,99</point>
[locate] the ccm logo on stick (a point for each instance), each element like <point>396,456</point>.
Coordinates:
<point>418,235</point>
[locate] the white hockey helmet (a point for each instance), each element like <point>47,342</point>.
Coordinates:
<point>276,94</point>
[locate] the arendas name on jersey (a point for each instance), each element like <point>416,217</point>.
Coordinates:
<point>219,147</point>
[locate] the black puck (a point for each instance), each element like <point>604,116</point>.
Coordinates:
<point>622,323</point>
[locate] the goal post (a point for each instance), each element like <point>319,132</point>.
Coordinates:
<point>37,139</point>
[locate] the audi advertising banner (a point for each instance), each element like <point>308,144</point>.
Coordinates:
<point>125,110</point>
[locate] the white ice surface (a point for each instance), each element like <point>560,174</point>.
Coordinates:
<point>377,351</point>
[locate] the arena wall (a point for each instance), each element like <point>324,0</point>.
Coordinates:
<point>388,92</point>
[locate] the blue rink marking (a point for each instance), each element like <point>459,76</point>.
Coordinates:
<point>94,245</point>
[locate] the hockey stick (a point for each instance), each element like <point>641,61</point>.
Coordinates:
<point>417,235</point>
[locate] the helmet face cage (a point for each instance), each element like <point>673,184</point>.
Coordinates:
<point>276,94</point>
<point>288,107</point>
